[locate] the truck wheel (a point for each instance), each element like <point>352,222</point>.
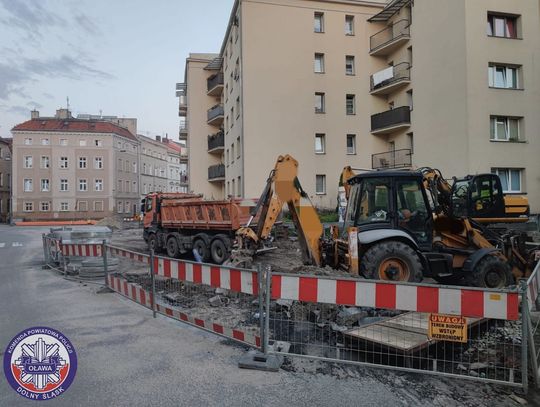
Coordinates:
<point>391,261</point>
<point>218,251</point>
<point>491,272</point>
<point>153,243</point>
<point>200,246</point>
<point>172,247</point>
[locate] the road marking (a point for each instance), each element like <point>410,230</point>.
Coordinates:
<point>2,245</point>
<point>16,244</point>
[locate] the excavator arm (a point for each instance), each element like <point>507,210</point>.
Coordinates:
<point>282,187</point>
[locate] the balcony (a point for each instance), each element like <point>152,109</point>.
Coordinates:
<point>183,130</point>
<point>392,159</point>
<point>390,79</point>
<point>390,38</point>
<point>216,173</point>
<point>184,180</point>
<point>391,120</point>
<point>184,156</point>
<point>216,142</point>
<point>181,94</point>
<point>215,115</point>
<point>214,84</point>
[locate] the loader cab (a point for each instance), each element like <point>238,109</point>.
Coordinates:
<point>478,196</point>
<point>148,206</point>
<point>391,200</point>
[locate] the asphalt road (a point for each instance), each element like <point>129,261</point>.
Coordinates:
<point>128,358</point>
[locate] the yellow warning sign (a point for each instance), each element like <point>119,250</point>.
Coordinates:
<point>447,328</point>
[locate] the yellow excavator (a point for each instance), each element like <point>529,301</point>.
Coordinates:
<point>399,225</point>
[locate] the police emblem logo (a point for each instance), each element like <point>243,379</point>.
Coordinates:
<point>40,363</point>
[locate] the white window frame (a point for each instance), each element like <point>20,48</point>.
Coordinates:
<point>318,22</point>
<point>64,164</point>
<point>495,121</point>
<point>62,184</point>
<point>82,143</point>
<point>45,162</point>
<point>507,70</point>
<point>28,141</point>
<point>353,137</point>
<point>320,108</point>
<point>63,142</point>
<point>320,138</point>
<point>510,190</point>
<point>28,161</point>
<point>98,185</point>
<point>45,142</point>
<point>98,163</point>
<point>30,183</point>
<point>83,181</point>
<point>98,143</point>
<point>349,60</point>
<point>41,205</point>
<point>64,206</point>
<point>349,25</point>
<point>25,206</point>
<point>45,186</point>
<point>318,63</point>
<point>350,97</point>
<point>83,163</point>
<point>323,180</point>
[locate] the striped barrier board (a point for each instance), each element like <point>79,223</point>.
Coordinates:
<point>211,326</point>
<point>131,291</point>
<point>404,297</point>
<point>533,286</point>
<point>128,254</point>
<point>81,250</point>
<point>242,281</point>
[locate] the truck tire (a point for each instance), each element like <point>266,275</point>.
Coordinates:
<point>218,251</point>
<point>153,243</point>
<point>172,247</point>
<point>490,272</point>
<point>391,261</point>
<point>200,246</point>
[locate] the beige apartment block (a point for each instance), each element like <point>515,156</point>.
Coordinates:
<point>66,168</point>
<point>177,180</point>
<point>153,165</point>
<point>5,179</point>
<point>450,84</point>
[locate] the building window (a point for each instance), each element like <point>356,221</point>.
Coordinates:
<point>63,185</point>
<point>503,76</point>
<point>319,143</point>
<point>120,207</point>
<point>349,25</point>
<point>82,163</point>
<point>128,186</point>
<point>45,162</point>
<point>499,25</point>
<point>127,207</point>
<point>410,99</point>
<point>63,162</point>
<point>349,65</point>
<point>1,180</point>
<point>98,185</point>
<point>227,158</point>
<point>63,142</point>
<point>98,163</point>
<point>504,128</point>
<point>319,63</point>
<point>510,179</point>
<point>238,107</point>
<point>320,184</point>
<point>98,143</point>
<point>239,186</point>
<point>318,22</point>
<point>350,104</point>
<point>44,206</point>
<point>351,144</point>
<point>232,153</point>
<point>28,185</point>
<point>28,206</point>
<point>134,167</point>
<point>411,142</point>
<point>319,102</point>
<point>120,184</point>
<point>27,141</point>
<point>45,184</point>
<point>28,161</point>
<point>83,185</point>
<point>83,206</point>
<point>64,207</point>
<point>44,141</point>
<point>134,188</point>
<point>98,206</point>
<point>82,143</point>
<point>120,165</point>
<point>238,150</point>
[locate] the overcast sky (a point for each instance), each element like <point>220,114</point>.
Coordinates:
<point>119,57</point>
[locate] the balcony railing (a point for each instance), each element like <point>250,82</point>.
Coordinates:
<point>390,120</point>
<point>215,114</point>
<point>214,84</point>
<point>216,142</point>
<point>390,77</point>
<point>399,30</point>
<point>392,159</point>
<point>216,172</point>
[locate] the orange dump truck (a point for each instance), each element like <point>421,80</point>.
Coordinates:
<point>179,223</point>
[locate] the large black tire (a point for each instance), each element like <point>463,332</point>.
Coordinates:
<point>172,247</point>
<point>200,246</point>
<point>153,243</point>
<point>393,261</point>
<point>218,251</point>
<point>491,272</point>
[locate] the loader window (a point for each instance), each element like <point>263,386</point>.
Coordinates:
<point>412,211</point>
<point>148,205</point>
<point>373,203</point>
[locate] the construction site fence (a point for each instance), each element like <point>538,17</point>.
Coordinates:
<point>486,335</point>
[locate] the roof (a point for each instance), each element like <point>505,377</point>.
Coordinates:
<point>172,144</point>
<point>384,174</point>
<point>150,140</point>
<point>392,8</point>
<point>215,64</point>
<point>73,126</point>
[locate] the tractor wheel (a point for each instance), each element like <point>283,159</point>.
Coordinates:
<point>153,243</point>
<point>200,246</point>
<point>218,251</point>
<point>391,261</point>
<point>172,247</point>
<point>490,272</point>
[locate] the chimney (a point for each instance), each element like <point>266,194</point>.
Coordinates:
<point>158,138</point>
<point>34,114</point>
<point>63,114</point>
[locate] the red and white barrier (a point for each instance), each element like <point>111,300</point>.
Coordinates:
<point>130,290</point>
<point>243,281</point>
<point>81,250</point>
<point>405,297</point>
<point>211,326</point>
<point>128,254</point>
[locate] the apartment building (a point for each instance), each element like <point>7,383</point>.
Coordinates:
<point>5,179</point>
<point>68,169</point>
<point>371,84</point>
<point>176,166</point>
<point>153,165</point>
